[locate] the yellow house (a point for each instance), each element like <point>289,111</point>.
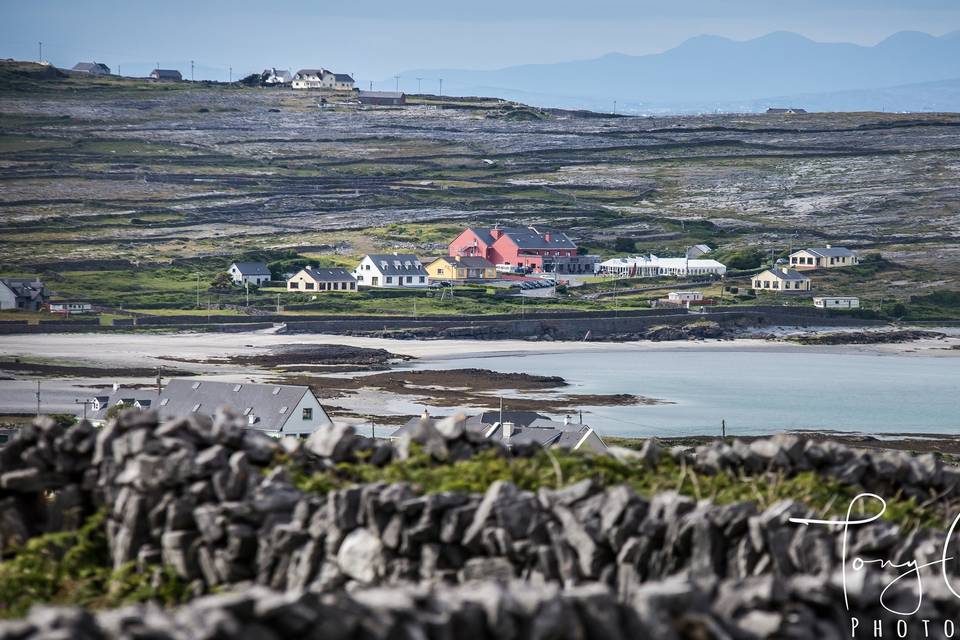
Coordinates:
<point>823,258</point>
<point>461,268</point>
<point>780,280</point>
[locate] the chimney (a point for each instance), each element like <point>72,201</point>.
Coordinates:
<point>496,233</point>
<point>566,419</point>
<point>116,386</point>
<point>546,236</point>
<point>507,432</point>
<point>829,246</point>
<point>425,415</point>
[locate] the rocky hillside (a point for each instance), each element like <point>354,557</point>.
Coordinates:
<point>199,528</point>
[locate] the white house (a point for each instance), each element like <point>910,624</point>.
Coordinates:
<point>385,270</point>
<point>827,257</point>
<point>322,79</point>
<point>314,279</point>
<point>255,273</point>
<point>652,267</point>
<point>836,302</point>
<point>685,296</point>
<point>781,280</point>
<point>277,410</point>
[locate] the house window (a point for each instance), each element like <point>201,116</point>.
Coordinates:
<point>409,278</point>
<point>389,280</point>
<point>307,413</point>
<point>375,281</point>
<point>309,285</point>
<point>421,278</point>
<point>294,285</point>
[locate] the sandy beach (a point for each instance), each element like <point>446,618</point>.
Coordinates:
<point>174,349</point>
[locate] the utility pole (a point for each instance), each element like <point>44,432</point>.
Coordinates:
<point>723,429</point>
<point>231,75</point>
<point>84,403</point>
<point>441,87</point>
<point>246,285</point>
<point>278,303</point>
<point>614,107</point>
<point>397,80</point>
<point>373,429</point>
<point>371,85</point>
<point>198,290</point>
<point>40,46</point>
<point>38,398</point>
<point>191,71</point>
<point>159,379</point>
<point>418,84</point>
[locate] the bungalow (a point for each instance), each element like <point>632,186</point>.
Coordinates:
<point>322,279</point>
<point>143,399</point>
<point>836,302</point>
<point>531,248</point>
<point>277,410</point>
<point>93,68</point>
<point>168,75</point>
<point>256,273</point>
<point>519,428</point>
<point>67,308</point>
<point>390,271</point>
<point>22,294</point>
<point>786,110</point>
<point>653,267</point>
<point>461,268</point>
<point>781,280</point>
<point>823,258</point>
<point>383,98</point>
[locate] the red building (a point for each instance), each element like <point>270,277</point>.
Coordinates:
<point>528,248</point>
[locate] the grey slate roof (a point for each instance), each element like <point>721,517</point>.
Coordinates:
<point>92,67</point>
<point>26,288</point>
<point>832,252</point>
<point>400,264</point>
<point>482,421</point>
<point>788,274</point>
<point>271,404</point>
<point>311,72</point>
<point>474,262</point>
<point>252,268</point>
<point>343,77</point>
<point>144,397</point>
<point>332,274</point>
<point>530,237</point>
<point>167,74</point>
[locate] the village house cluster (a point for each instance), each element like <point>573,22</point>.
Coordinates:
<point>793,279</point>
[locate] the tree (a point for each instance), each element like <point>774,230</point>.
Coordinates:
<point>221,281</point>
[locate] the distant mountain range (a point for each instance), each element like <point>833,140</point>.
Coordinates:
<point>909,71</point>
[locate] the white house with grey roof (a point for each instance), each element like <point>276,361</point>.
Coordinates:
<point>277,410</point>
<point>93,68</point>
<point>315,279</point>
<point>391,270</point>
<point>781,280</point>
<point>827,257</point>
<point>255,273</point>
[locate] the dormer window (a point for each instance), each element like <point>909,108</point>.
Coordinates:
<point>237,387</point>
<point>283,409</point>
<point>196,385</point>
<point>196,407</point>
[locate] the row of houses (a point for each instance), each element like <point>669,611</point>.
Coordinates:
<point>652,266</point>
<point>294,410</point>
<point>791,277</point>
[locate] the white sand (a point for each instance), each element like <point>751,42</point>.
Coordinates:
<point>152,349</point>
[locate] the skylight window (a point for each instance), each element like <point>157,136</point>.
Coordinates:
<point>237,387</point>
<point>283,409</point>
<point>196,385</point>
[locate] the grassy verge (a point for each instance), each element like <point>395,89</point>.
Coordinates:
<point>74,568</point>
<point>826,497</point>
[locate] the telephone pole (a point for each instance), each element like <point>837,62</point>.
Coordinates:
<point>441,87</point>
<point>38,398</point>
<point>40,46</point>
<point>397,80</point>
<point>198,290</point>
<point>191,71</point>
<point>231,75</point>
<point>418,84</point>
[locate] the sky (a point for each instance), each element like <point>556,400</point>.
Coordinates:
<point>376,39</point>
